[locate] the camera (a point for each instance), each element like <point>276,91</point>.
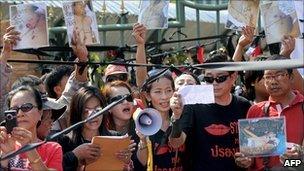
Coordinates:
<point>10,120</point>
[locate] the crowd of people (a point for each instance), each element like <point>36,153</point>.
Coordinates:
<point>192,137</point>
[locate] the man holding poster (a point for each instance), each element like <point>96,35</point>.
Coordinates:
<point>283,101</point>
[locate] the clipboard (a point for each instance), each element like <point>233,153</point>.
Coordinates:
<point>110,145</point>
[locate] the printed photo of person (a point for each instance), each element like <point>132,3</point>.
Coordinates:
<point>154,14</point>
<point>80,19</point>
<point>30,20</point>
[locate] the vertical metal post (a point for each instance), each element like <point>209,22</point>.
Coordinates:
<point>198,28</point>
<point>259,23</point>
<point>178,38</point>
<point>217,23</point>
<point>104,33</point>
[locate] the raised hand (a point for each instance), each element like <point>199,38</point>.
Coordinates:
<point>176,105</point>
<point>288,45</point>
<point>79,48</point>
<point>247,36</point>
<point>139,33</point>
<point>10,39</point>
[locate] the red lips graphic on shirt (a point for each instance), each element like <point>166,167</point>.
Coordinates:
<point>162,150</point>
<point>217,129</point>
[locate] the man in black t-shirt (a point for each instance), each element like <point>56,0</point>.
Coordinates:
<point>212,129</point>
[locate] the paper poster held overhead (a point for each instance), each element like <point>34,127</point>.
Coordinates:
<point>80,19</point>
<point>154,14</point>
<point>31,21</point>
<point>279,18</point>
<point>242,13</point>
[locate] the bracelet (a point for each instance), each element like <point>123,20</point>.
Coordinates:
<point>142,146</point>
<point>36,160</point>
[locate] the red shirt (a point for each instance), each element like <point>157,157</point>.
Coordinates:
<point>50,153</point>
<point>294,123</point>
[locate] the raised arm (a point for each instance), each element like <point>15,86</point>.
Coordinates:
<point>287,47</point>
<point>177,136</point>
<point>245,39</point>
<point>139,34</point>
<point>10,38</point>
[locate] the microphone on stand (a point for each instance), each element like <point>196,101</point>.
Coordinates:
<point>31,146</point>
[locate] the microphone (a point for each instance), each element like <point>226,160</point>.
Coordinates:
<point>31,146</point>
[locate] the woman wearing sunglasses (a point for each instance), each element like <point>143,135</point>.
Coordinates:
<point>156,152</point>
<point>28,104</point>
<point>119,119</point>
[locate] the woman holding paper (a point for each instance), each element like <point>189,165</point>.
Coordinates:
<point>27,102</point>
<point>77,147</point>
<point>119,120</point>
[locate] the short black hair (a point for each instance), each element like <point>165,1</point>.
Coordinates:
<point>279,57</point>
<point>54,78</point>
<point>219,57</point>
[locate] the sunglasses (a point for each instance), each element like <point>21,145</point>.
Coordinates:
<point>26,107</point>
<point>121,77</point>
<point>129,98</point>
<point>218,79</point>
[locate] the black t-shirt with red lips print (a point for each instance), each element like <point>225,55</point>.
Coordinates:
<point>212,134</point>
<point>166,158</point>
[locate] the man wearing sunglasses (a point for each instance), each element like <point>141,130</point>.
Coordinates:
<point>212,129</point>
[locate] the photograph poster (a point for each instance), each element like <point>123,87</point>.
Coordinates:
<point>259,137</point>
<point>279,18</point>
<point>154,14</point>
<point>80,19</point>
<point>242,13</point>
<point>31,21</point>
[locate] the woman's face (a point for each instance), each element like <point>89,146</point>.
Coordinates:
<point>122,111</point>
<point>32,21</point>
<point>27,120</point>
<point>183,80</point>
<point>91,105</point>
<point>160,94</point>
<point>79,8</point>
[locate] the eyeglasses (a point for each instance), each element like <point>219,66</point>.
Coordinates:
<point>218,79</point>
<point>114,77</point>
<point>129,98</point>
<point>26,107</point>
<point>277,76</point>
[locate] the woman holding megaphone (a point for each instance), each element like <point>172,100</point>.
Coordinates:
<point>155,151</point>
